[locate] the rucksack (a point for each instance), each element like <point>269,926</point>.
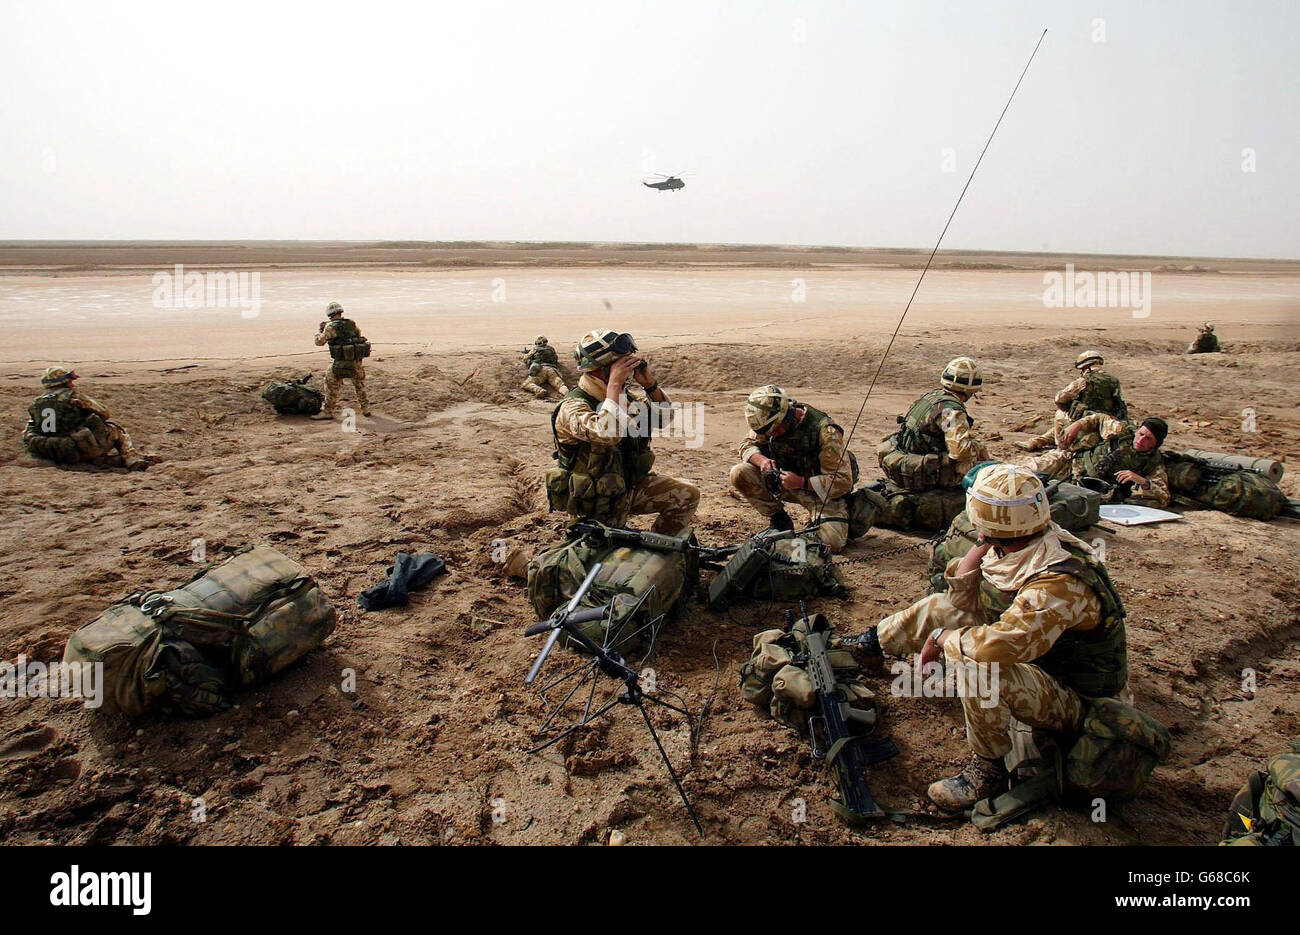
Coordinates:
<point>1243,493</point>
<point>187,650</point>
<point>1267,809</point>
<point>663,577</point>
<point>294,397</point>
<point>1113,755</point>
<point>909,509</point>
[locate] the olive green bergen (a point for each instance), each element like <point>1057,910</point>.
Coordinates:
<point>293,397</point>
<point>187,649</point>
<point>347,346</point>
<point>596,481</point>
<point>1239,493</point>
<point>628,574</point>
<point>61,431</point>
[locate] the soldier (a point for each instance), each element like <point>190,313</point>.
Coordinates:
<point>1030,598</point>
<point>70,428</point>
<point>1206,341</point>
<point>543,369</point>
<point>1093,391</point>
<point>936,445</point>
<point>347,349</point>
<point>799,451</point>
<point>602,442</point>
<point>1104,447</point>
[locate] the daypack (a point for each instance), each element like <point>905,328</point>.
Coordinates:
<point>775,680</point>
<point>775,566</point>
<point>187,650</point>
<point>294,397</point>
<point>1116,750</point>
<point>1112,757</point>
<point>908,509</point>
<point>1267,809</point>
<point>629,573</point>
<point>1241,493</point>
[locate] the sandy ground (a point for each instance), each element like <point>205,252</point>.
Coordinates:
<point>434,740</point>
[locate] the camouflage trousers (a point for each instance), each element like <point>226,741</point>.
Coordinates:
<point>541,385</point>
<point>675,502</point>
<point>1060,422</point>
<point>332,384</point>
<point>748,481</point>
<point>1023,692</point>
<point>1056,464</point>
<point>120,439</point>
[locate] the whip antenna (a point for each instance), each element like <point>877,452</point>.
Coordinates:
<point>926,269</point>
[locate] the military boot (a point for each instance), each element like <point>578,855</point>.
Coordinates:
<point>1038,443</point>
<point>322,415</point>
<point>980,779</point>
<point>780,521</point>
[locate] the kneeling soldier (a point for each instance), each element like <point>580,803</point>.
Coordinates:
<point>795,454</point>
<point>602,442</point>
<point>543,369</point>
<point>1029,599</point>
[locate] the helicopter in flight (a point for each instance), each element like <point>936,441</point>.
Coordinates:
<point>669,183</point>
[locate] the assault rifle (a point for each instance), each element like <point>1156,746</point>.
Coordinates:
<point>840,733</point>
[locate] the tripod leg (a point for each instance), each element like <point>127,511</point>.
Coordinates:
<point>671,772</point>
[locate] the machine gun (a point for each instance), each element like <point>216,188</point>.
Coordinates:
<point>840,733</point>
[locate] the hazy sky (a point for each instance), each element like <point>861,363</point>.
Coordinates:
<point>798,122</point>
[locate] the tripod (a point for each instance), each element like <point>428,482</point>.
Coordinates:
<point>605,661</point>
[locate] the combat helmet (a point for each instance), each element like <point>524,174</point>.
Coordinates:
<point>540,339</point>
<point>1209,327</point>
<point>962,375</point>
<point>333,309</point>
<point>1088,357</point>
<point>766,407</point>
<point>1007,502</point>
<point>600,348</point>
<point>58,376</point>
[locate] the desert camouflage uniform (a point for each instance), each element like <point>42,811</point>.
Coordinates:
<point>1095,428</point>
<point>748,481</point>
<point>548,378</point>
<point>1044,608</point>
<point>675,501</point>
<point>1207,342</point>
<point>333,382</point>
<point>1061,418</point>
<point>120,447</point>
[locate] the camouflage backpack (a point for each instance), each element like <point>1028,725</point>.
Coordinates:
<point>188,649</point>
<point>925,510</point>
<point>774,678</point>
<point>1116,750</point>
<point>1237,493</point>
<point>1267,809</point>
<point>629,574</point>
<point>293,397</point>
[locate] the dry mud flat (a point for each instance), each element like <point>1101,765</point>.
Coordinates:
<point>432,743</point>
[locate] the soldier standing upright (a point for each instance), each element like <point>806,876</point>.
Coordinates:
<point>347,349</point>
